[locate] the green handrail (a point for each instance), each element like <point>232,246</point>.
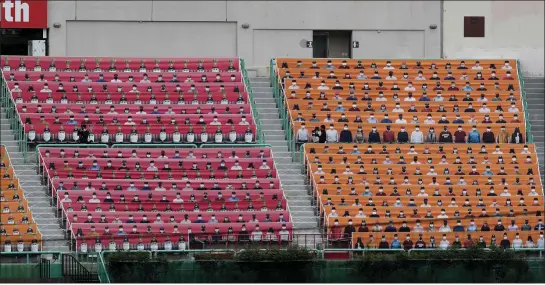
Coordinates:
<point>13,117</point>
<point>213,145</point>
<point>102,272</point>
<point>529,134</point>
<point>260,137</point>
<point>280,99</point>
<point>153,145</point>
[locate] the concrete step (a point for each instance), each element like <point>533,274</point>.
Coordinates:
<point>271,127</point>
<point>269,115</point>
<point>263,95</point>
<point>275,136</point>
<point>261,89</point>
<point>536,100</point>
<point>271,132</point>
<point>265,100</point>
<point>259,79</point>
<point>261,84</point>
<point>280,148</point>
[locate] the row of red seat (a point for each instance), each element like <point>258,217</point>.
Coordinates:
<point>189,101</point>
<point>234,153</point>
<point>24,63</point>
<point>264,194</point>
<point>175,217</point>
<point>165,175</point>
<point>121,134</point>
<point>211,77</point>
<point>112,87</point>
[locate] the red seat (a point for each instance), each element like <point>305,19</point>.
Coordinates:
<point>82,217</point>
<point>61,63</point>
<point>136,118</point>
<point>123,76</point>
<point>185,195</point>
<point>71,97</point>
<point>155,152</point>
<point>112,87</point>
<point>188,207</point>
<point>120,174</point>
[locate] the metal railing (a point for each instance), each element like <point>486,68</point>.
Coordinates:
<point>524,99</point>
<point>281,104</point>
<point>10,109</point>
<point>74,270</point>
<point>260,137</point>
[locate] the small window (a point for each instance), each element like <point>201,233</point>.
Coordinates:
<point>473,27</point>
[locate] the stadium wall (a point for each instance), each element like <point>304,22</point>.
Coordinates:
<point>385,29</point>
<point>214,28</point>
<point>513,29</point>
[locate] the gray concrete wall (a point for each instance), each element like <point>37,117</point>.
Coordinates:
<point>513,29</point>
<point>277,28</point>
<point>165,39</point>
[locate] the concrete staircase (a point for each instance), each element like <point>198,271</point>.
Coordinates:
<point>293,181</point>
<point>35,192</point>
<point>535,93</point>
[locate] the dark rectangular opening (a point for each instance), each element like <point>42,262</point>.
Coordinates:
<point>332,44</point>
<point>474,27</point>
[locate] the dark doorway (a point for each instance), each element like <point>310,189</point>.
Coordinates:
<point>19,41</point>
<point>320,44</point>
<point>14,49</point>
<point>332,44</point>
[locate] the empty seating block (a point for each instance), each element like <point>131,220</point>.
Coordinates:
<point>167,198</point>
<point>416,154</point>
<point>18,230</point>
<point>130,100</point>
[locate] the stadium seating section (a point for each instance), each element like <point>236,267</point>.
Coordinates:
<point>187,102</point>
<point>409,154</point>
<point>148,194</point>
<point>170,101</point>
<point>18,230</point>
<point>399,154</point>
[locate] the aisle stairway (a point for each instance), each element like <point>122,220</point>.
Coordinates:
<point>535,93</point>
<point>35,193</point>
<point>292,179</point>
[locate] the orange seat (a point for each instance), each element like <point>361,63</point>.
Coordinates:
<point>420,148</point>
<point>16,216</point>
<point>375,105</point>
<point>321,115</point>
<point>427,73</point>
<point>13,205</point>
<point>411,63</point>
<point>21,227</point>
<point>432,200</point>
<point>388,84</point>
<point>411,222</point>
<point>450,158</point>
<point>402,94</point>
<point>374,243</point>
<point>495,128</point>
<point>9,193</point>
<point>444,190</point>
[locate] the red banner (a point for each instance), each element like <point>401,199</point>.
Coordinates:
<point>25,14</point>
